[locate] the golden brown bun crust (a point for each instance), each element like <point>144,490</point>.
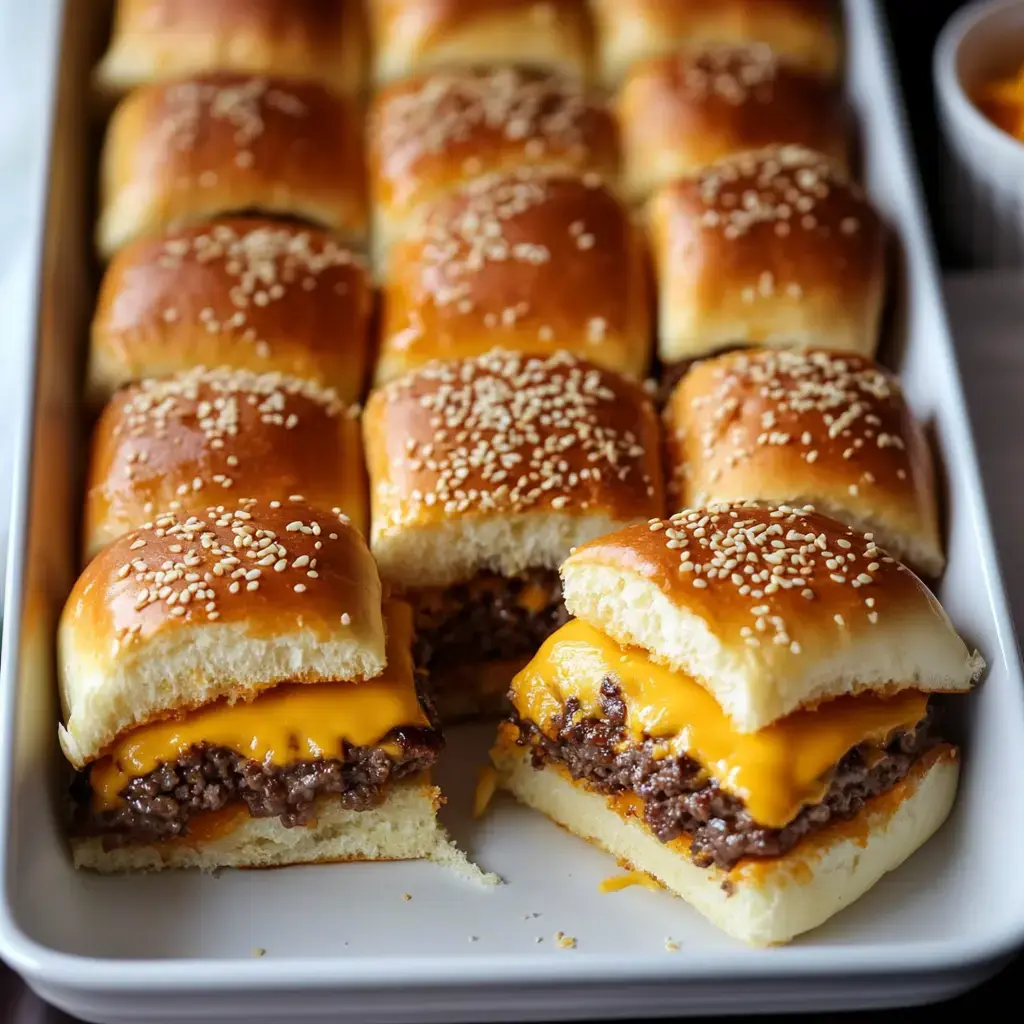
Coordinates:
<point>774,247</point>
<point>189,150</point>
<point>319,40</point>
<point>831,429</point>
<point>803,32</point>
<point>433,132</point>
<point>108,601</point>
<point>410,36</point>
<point>680,112</point>
<point>180,443</point>
<point>847,574</point>
<point>249,293</point>
<point>542,435</point>
<point>525,262</point>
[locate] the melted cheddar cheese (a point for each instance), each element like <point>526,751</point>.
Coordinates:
<point>291,722</point>
<point>775,772</point>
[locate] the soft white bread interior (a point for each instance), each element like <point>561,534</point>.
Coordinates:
<point>192,609</point>
<point>403,827</point>
<point>769,902</point>
<point>769,609</point>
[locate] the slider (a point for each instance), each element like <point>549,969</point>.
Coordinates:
<point>245,292</point>
<point>191,149</point>
<point>740,708</point>
<point>830,429</point>
<point>805,33</point>
<point>412,36</point>
<point>153,40</point>
<point>483,475</point>
<point>775,247</point>
<point>228,701</point>
<point>526,261</point>
<point>680,111</point>
<point>430,134</point>
<point>177,444</point>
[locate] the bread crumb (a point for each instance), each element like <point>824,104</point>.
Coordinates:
<point>259,951</point>
<point>474,938</point>
<point>540,938</point>
<point>406,896</point>
<point>671,945</point>
<point>565,941</point>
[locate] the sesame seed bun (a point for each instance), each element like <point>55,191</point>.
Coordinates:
<point>769,609</point>
<point>802,32</point>
<point>310,39</point>
<point>276,592</point>
<point>526,262</point>
<point>411,36</point>
<point>758,903</point>
<point>432,133</point>
<point>795,428</point>
<point>249,293</point>
<point>188,150</point>
<point>679,112</point>
<point>772,247</point>
<point>178,443</point>
<point>503,463</point>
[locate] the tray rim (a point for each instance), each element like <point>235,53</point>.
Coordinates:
<point>51,969</point>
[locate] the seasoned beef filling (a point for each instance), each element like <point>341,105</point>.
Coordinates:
<point>206,778</point>
<point>493,619</point>
<point>680,799</point>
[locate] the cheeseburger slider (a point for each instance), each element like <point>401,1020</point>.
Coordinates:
<point>831,429</point>
<point>176,444</point>
<point>429,134</point>
<point>184,151</point>
<point>741,709</point>
<point>319,40</point>
<point>526,260</point>
<point>774,247</point>
<point>229,700</point>
<point>681,111</point>
<point>804,33</point>
<point>483,475</point>
<point>412,36</point>
<point>251,293</point>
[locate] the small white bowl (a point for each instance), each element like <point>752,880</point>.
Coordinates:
<point>983,183</point>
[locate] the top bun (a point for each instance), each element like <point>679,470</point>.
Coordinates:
<point>192,609</point>
<point>312,39</point>
<point>802,32</point>
<point>503,463</point>
<point>770,610</point>
<point>428,135</point>
<point>187,150</point>
<point>410,36</point>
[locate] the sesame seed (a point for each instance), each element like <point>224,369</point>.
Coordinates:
<point>346,619</point>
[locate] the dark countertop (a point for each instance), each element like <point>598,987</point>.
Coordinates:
<point>914,24</point>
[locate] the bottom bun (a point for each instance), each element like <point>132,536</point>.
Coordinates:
<point>476,690</point>
<point>403,827</point>
<point>759,902</point>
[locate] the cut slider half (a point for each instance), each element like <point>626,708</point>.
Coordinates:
<point>741,708</point>
<point>230,699</point>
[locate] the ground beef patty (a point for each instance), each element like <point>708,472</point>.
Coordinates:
<point>206,778</point>
<point>488,619</point>
<point>680,799</point>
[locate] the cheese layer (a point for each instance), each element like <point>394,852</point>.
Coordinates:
<point>292,722</point>
<point>775,772</point>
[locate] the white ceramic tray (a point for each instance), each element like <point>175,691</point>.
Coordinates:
<point>341,942</point>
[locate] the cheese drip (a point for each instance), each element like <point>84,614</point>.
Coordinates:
<point>775,772</point>
<point>292,722</point>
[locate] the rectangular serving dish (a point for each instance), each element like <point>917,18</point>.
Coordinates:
<point>342,942</point>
